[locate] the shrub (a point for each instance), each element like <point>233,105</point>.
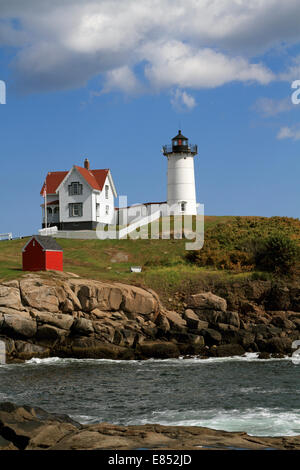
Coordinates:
<point>277,253</point>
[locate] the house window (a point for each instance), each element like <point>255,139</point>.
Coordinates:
<point>106,191</point>
<point>56,210</point>
<point>49,210</point>
<point>75,188</point>
<point>106,210</point>
<point>75,210</point>
<point>97,209</point>
<point>182,206</point>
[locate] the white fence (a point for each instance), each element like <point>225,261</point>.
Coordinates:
<point>6,236</point>
<point>49,231</point>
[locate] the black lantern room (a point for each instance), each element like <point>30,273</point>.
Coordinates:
<point>180,144</point>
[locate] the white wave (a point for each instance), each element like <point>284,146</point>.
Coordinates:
<point>69,360</point>
<point>247,357</point>
<point>255,421</point>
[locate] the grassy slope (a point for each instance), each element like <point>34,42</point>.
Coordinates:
<point>164,266</point>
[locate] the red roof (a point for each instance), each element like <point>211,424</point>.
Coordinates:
<point>53,180</point>
<point>95,178</point>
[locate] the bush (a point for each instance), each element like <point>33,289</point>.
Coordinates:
<point>277,253</point>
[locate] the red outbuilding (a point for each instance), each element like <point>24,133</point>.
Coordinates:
<point>42,254</point>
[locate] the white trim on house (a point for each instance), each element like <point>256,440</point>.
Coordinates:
<point>112,183</point>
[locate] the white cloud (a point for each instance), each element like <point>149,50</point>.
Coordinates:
<point>122,79</point>
<point>182,101</point>
<point>175,63</point>
<point>289,133</point>
<point>184,43</point>
<point>269,107</point>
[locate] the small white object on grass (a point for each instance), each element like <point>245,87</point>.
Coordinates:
<point>135,269</point>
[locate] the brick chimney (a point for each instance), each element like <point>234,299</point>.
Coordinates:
<point>87,164</point>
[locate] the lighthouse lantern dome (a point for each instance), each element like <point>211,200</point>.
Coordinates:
<point>179,141</point>
<point>180,144</point>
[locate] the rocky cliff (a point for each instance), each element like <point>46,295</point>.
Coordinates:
<point>26,428</point>
<point>66,316</point>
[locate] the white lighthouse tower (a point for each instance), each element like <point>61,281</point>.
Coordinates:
<point>181,176</point>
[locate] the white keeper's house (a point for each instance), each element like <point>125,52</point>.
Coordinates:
<point>81,198</point>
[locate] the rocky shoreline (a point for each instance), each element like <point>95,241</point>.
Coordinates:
<point>66,316</point>
<point>26,428</point>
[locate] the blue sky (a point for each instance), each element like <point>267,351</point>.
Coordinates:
<point>114,84</point>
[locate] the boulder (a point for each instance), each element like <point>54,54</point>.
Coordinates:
<point>69,301</point>
<point>10,297</point>
<point>162,323</point>
<point>11,311</point>
<point>279,345</point>
<point>31,428</point>
<point>139,301</point>
<point>89,295</point>
<point>202,325</point>
<point>87,347</point>
<point>83,327</point>
<point>207,301</point>
<point>49,332</point>
<point>225,350</point>
<point>157,350</point>
<point>37,294</point>
<point>188,338</point>
<point>115,298</point>
<point>192,320</point>
<point>232,318</point>
<point>176,321</point>
<point>211,336</point>
<point>16,325</point>
<point>149,329</point>
<point>60,320</point>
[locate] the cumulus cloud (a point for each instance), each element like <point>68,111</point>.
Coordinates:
<point>182,101</point>
<point>123,79</point>
<point>175,63</point>
<point>186,44</point>
<point>289,133</point>
<point>269,107</point>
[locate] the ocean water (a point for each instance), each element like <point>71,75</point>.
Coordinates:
<point>260,397</point>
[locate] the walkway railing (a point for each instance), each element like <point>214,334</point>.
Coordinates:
<point>5,236</point>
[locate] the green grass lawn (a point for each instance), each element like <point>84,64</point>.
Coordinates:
<point>165,268</point>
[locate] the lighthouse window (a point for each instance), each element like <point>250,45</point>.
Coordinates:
<point>182,206</point>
